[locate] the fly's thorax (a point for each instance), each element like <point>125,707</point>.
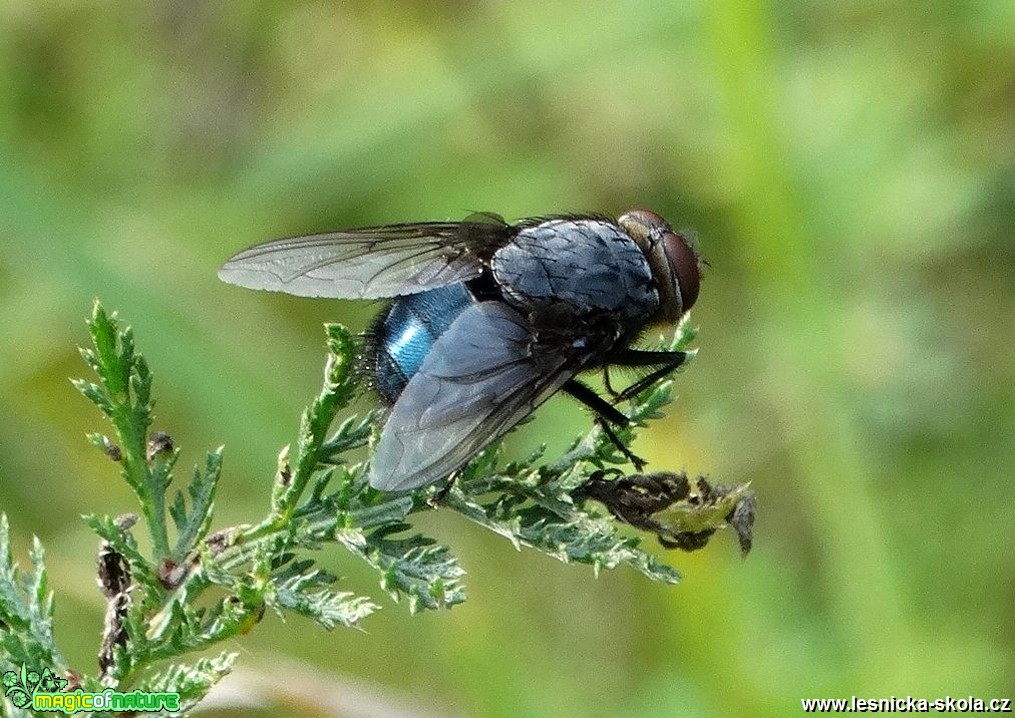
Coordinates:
<point>557,328</point>
<point>590,264</point>
<point>404,334</point>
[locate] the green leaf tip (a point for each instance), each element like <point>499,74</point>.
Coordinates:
<point>340,341</point>
<point>26,608</point>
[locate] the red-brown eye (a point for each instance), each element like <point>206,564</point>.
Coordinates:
<point>671,257</point>
<point>684,262</point>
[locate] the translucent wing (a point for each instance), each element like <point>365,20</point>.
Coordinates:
<point>479,380</point>
<point>371,262</point>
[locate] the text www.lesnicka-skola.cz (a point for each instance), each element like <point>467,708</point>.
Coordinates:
<point>907,704</point>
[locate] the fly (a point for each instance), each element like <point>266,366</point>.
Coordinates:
<point>487,320</point>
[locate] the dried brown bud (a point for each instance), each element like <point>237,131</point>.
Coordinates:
<point>113,576</point>
<point>172,574</point>
<point>73,681</point>
<point>742,521</point>
<point>111,449</point>
<point>219,541</point>
<point>683,513</point>
<point>125,522</point>
<point>160,443</point>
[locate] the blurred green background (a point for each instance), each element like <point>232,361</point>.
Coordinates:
<point>850,169</point>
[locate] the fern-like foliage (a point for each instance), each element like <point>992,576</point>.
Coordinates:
<point>578,508</point>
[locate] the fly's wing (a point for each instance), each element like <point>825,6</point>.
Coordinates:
<point>479,380</point>
<point>371,262</point>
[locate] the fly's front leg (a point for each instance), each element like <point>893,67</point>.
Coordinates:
<point>666,361</point>
<point>638,462</point>
<point>606,414</point>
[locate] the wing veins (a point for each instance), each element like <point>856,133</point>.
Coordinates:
<point>368,263</point>
<point>335,260</point>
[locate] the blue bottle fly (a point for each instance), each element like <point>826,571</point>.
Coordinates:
<point>490,319</point>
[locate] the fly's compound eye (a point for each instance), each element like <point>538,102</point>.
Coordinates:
<point>672,259</point>
<point>683,261</point>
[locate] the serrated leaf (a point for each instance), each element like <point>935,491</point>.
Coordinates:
<point>111,370</point>
<point>351,434</point>
<point>579,537</point>
<point>302,594</point>
<point>95,394</point>
<point>410,568</point>
<point>192,681</point>
<point>193,525</point>
<point>123,395</point>
<point>26,607</point>
<point>40,597</point>
<point>14,611</point>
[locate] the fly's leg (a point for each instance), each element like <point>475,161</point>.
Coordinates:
<point>602,408</point>
<point>606,414</point>
<point>441,495</point>
<point>666,361</point>
<point>606,383</point>
<point>637,461</point>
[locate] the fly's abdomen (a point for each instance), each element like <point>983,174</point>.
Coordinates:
<point>405,334</point>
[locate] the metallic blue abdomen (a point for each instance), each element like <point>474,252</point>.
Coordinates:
<point>405,334</point>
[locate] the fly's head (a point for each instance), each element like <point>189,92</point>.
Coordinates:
<point>673,259</point>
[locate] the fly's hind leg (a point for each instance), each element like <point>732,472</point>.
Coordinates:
<point>441,495</point>
<point>606,414</point>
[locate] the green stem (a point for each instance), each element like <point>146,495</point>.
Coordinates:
<point>138,475</point>
<point>156,520</point>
